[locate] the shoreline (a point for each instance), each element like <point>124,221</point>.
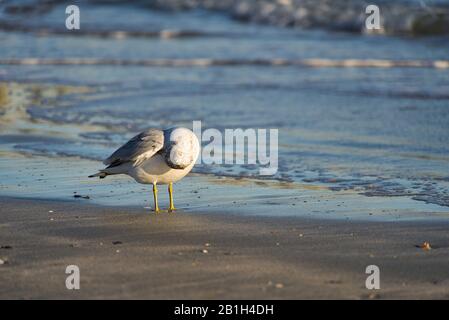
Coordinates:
<point>129,253</point>
<point>56,179</point>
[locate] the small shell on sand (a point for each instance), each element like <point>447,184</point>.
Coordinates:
<point>426,246</point>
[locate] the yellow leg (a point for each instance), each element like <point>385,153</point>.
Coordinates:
<point>170,193</point>
<point>156,206</point>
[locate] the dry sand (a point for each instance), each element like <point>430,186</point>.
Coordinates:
<point>130,253</point>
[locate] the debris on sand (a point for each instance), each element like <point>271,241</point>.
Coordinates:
<point>80,196</point>
<point>116,242</point>
<point>279,285</point>
<point>373,296</point>
<point>425,246</point>
<point>6,247</point>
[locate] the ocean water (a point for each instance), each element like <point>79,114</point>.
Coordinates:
<point>376,131</point>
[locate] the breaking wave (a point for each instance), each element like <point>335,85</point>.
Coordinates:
<point>399,17</point>
<point>206,62</point>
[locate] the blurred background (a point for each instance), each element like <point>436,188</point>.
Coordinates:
<point>379,126</point>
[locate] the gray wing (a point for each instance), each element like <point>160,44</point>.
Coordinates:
<point>143,146</point>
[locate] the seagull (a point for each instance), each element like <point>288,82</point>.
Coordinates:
<point>155,156</point>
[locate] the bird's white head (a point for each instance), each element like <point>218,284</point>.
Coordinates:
<point>183,147</point>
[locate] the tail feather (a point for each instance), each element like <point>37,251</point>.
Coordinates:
<point>100,174</point>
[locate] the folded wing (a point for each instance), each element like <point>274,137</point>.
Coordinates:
<point>141,147</point>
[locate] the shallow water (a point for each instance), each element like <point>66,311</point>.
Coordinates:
<point>374,131</point>
<point>57,178</point>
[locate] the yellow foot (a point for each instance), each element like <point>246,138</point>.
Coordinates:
<point>157,211</point>
<point>172,209</point>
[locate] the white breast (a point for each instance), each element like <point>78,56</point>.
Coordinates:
<point>156,170</point>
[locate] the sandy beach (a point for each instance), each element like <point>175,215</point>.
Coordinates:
<point>130,253</point>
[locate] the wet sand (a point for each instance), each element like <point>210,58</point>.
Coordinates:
<point>131,253</point>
